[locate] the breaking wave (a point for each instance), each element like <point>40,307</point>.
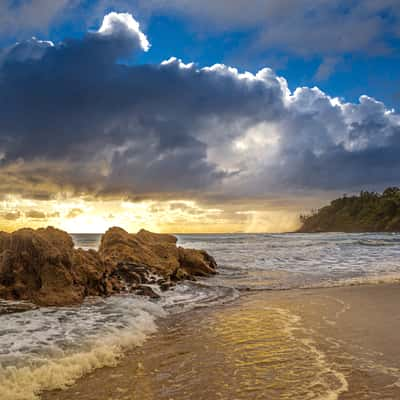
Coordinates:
<point>53,347</point>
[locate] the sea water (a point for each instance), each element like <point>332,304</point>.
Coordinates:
<point>50,348</point>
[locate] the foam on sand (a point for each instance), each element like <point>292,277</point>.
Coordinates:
<point>53,347</point>
<point>27,371</point>
<point>333,381</point>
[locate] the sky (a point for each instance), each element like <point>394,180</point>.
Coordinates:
<point>194,116</point>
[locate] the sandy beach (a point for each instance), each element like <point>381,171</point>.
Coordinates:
<point>334,343</point>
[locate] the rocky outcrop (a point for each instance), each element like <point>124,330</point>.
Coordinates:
<point>157,252</point>
<point>42,266</point>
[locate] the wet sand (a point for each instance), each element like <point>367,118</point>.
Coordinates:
<point>333,343</point>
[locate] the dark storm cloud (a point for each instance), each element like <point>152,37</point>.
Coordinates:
<point>340,146</point>
<point>125,128</point>
<point>75,118</point>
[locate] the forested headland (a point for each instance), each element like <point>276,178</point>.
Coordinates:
<point>367,212</point>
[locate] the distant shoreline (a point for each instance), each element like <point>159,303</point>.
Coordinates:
<point>368,212</point>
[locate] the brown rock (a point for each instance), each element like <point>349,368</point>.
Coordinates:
<point>158,252</point>
<point>42,266</point>
<point>37,266</point>
<point>196,262</point>
<point>90,272</point>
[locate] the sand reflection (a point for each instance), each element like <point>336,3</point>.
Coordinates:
<point>247,351</point>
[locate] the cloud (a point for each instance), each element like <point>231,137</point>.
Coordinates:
<point>301,27</point>
<point>30,49</point>
<point>123,25</point>
<point>11,216</point>
<point>74,212</point>
<point>342,145</point>
<point>326,68</point>
<point>324,29</point>
<point>19,17</point>
<point>76,119</point>
<point>34,214</point>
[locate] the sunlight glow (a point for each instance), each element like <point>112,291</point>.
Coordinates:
<point>79,215</point>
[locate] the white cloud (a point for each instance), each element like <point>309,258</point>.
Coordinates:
<point>176,62</point>
<point>123,24</point>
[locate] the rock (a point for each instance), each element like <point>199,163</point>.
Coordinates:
<point>158,252</point>
<point>42,266</point>
<point>90,272</point>
<point>147,291</point>
<point>196,262</point>
<point>11,307</point>
<point>165,284</point>
<point>38,266</point>
<point>128,275</point>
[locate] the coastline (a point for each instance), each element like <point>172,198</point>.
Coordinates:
<point>330,343</point>
<point>166,347</point>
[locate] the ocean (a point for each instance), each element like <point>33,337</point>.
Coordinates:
<point>51,348</point>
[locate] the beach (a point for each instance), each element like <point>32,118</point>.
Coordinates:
<point>331,343</point>
<point>288,316</point>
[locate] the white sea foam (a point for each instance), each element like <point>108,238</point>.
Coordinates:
<point>189,295</point>
<point>51,348</point>
<point>333,381</point>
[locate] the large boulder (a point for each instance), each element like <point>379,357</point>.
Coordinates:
<point>196,262</point>
<point>158,252</point>
<point>42,266</point>
<point>38,266</point>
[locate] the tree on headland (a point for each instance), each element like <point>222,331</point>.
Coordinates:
<point>367,212</point>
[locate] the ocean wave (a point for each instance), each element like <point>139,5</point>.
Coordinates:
<point>322,284</point>
<point>378,243</point>
<point>51,349</point>
<point>193,295</point>
<point>359,281</point>
<point>26,383</point>
<point>54,347</point>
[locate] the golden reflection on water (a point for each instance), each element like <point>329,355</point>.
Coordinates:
<point>247,352</point>
<point>270,358</point>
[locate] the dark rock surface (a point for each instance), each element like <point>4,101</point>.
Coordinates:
<point>43,267</point>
